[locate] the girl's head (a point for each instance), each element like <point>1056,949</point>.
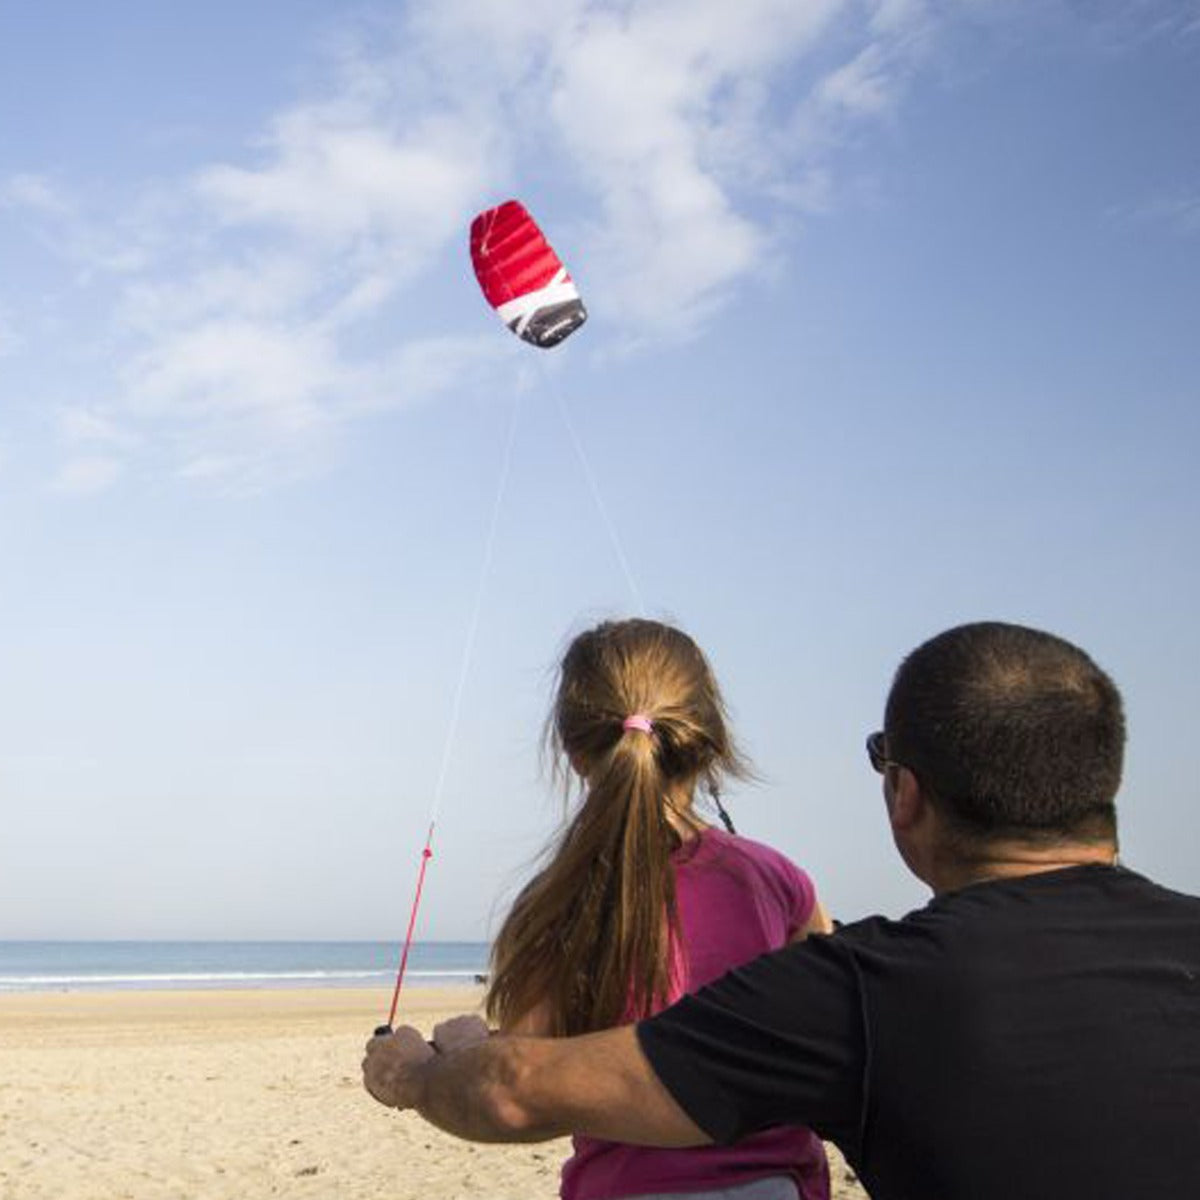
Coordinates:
<point>641,668</point>
<point>588,940</point>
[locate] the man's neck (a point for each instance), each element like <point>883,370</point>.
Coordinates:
<point>961,866</point>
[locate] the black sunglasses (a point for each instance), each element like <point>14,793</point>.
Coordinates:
<point>876,751</point>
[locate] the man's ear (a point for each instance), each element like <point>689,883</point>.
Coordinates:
<point>908,801</point>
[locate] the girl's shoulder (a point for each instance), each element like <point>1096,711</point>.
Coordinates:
<point>756,870</point>
<point>716,844</point>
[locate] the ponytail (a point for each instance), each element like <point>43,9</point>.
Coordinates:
<point>590,938</point>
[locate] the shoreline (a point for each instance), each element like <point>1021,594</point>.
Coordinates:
<point>213,1008</point>
<point>202,965</point>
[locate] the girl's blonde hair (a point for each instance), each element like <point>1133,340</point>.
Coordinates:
<point>588,940</point>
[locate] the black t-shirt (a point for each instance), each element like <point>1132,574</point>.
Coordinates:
<point>1018,1039</point>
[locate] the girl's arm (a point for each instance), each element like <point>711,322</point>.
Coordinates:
<point>818,922</point>
<point>535,1023</point>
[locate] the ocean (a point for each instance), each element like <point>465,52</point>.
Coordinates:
<point>116,966</point>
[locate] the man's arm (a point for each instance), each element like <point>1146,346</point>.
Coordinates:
<point>523,1089</point>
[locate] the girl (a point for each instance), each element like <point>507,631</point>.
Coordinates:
<point>641,901</point>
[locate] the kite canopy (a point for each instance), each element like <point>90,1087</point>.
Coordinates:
<point>522,278</point>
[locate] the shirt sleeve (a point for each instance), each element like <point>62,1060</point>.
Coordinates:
<point>789,885</point>
<point>780,1041</point>
<point>803,896</point>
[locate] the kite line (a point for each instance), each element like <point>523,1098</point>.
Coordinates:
<point>456,706</point>
<point>594,488</point>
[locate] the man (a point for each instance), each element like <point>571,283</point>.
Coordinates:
<point>1034,1031</point>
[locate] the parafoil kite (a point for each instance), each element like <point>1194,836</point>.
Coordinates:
<point>522,278</point>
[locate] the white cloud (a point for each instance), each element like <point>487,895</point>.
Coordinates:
<point>90,246</point>
<point>251,295</point>
<point>348,181</point>
<point>260,286</point>
<point>79,425</point>
<point>668,112</point>
<point>861,87</point>
<point>233,365</point>
<point>35,193</point>
<point>899,17</point>
<point>240,409</point>
<point>430,368</point>
<point>87,475</point>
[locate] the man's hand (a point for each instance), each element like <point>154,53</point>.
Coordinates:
<point>458,1032</point>
<point>392,1067</point>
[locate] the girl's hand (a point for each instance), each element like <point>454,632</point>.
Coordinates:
<point>459,1032</point>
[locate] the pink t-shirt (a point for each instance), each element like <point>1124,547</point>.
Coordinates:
<point>737,899</point>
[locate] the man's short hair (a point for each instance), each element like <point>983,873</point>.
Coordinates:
<point>1013,732</point>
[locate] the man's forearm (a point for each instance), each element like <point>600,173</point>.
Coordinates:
<point>483,1093</point>
<point>529,1089</point>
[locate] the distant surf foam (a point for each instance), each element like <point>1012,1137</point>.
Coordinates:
<point>71,966</point>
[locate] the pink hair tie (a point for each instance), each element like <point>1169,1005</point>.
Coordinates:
<point>638,721</point>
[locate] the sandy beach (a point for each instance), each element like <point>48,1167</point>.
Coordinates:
<point>232,1094</point>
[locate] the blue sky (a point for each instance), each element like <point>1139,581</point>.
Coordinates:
<point>893,325</point>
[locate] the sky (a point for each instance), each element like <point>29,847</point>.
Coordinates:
<point>893,325</point>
